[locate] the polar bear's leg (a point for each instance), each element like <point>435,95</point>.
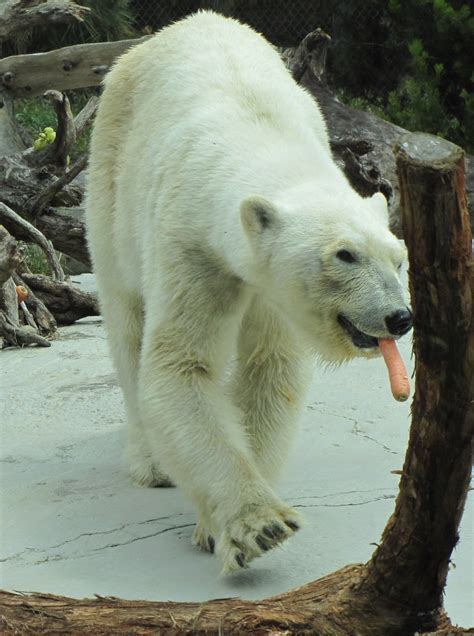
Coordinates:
<point>271,377</point>
<point>194,429</point>
<point>123,313</point>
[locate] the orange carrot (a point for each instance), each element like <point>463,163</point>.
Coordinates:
<point>397,372</point>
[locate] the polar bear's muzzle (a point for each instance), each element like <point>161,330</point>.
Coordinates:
<point>359,338</point>
<point>398,324</point>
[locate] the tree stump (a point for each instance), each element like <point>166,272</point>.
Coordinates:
<point>411,564</point>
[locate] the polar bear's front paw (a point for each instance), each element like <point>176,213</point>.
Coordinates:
<point>257,529</point>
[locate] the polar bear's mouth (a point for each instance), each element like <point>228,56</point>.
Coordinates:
<point>358,337</point>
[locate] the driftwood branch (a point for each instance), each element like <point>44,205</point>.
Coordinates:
<point>71,67</point>
<point>310,55</point>
<point>87,114</point>
<point>66,302</point>
<point>35,236</point>
<point>66,135</point>
<point>18,15</point>
<point>39,202</point>
<point>44,320</point>
<point>399,592</point>
<point>12,332</point>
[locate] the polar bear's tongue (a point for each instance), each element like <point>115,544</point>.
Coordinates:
<point>397,372</point>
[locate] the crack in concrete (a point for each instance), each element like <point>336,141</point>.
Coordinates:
<point>360,433</point>
<point>355,429</point>
<point>345,505</point>
<point>147,536</point>
<point>19,555</point>
<point>342,492</point>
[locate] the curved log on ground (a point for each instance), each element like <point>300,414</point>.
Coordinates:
<point>322,607</point>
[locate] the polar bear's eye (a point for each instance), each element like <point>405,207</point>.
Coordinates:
<point>346,256</point>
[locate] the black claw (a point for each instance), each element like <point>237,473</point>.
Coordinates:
<point>278,530</point>
<point>211,543</point>
<point>260,541</point>
<point>240,559</point>
<point>291,524</point>
<point>268,532</point>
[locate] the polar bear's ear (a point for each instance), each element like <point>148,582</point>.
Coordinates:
<point>257,215</point>
<point>379,203</point>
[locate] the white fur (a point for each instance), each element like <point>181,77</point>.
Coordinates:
<point>215,212</point>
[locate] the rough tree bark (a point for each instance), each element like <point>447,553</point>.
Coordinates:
<point>420,536</point>
<point>399,592</point>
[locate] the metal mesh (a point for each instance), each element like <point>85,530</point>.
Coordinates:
<point>375,67</point>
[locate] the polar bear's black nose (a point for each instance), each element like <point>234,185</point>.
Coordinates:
<point>399,322</point>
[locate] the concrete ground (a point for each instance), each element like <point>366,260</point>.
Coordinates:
<point>73,524</point>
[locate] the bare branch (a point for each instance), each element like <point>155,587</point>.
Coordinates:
<point>58,152</point>
<point>87,114</point>
<point>35,236</point>
<point>41,201</point>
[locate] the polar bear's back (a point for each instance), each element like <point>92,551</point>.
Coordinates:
<point>182,126</point>
<point>207,57</point>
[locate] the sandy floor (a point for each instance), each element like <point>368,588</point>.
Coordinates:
<point>73,524</point>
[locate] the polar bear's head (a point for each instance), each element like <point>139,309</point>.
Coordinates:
<point>332,266</point>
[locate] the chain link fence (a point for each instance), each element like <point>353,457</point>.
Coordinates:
<point>365,56</point>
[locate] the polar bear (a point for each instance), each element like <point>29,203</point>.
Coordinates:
<point>221,229</point>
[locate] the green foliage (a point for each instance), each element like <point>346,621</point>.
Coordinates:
<point>422,78</point>
<point>36,259</point>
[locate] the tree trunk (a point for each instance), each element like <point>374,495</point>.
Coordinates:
<point>411,564</point>
<point>399,592</point>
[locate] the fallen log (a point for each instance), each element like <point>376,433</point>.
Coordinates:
<point>362,142</point>
<point>399,591</point>
<point>71,67</point>
<point>18,15</point>
<point>66,302</point>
